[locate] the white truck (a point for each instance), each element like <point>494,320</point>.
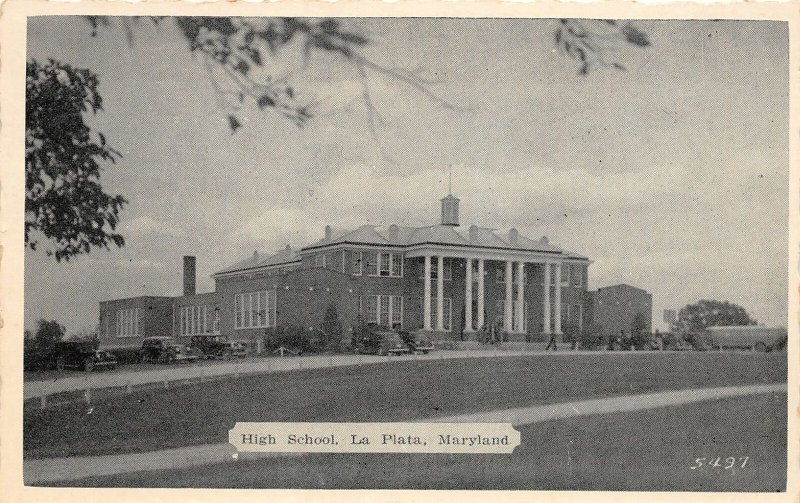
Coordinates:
<point>754,338</point>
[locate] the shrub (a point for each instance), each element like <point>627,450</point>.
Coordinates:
<point>592,337</point>
<point>293,337</point>
<point>126,355</point>
<point>332,329</point>
<point>39,351</point>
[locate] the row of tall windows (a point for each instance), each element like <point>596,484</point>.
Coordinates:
<point>254,309</point>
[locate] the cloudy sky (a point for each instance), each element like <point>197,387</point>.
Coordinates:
<point>672,176</point>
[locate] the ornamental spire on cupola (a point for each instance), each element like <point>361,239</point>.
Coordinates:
<point>450,204</point>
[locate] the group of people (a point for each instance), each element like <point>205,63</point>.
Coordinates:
<point>495,334</point>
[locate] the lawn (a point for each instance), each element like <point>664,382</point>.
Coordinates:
<point>651,450</point>
<point>203,413</point>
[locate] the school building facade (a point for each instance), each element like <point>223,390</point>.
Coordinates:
<point>450,280</point>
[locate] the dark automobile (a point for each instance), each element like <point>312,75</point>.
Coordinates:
<point>210,345</point>
<point>417,342</point>
<point>83,355</point>
<point>165,350</point>
<point>237,348</point>
<point>377,340</point>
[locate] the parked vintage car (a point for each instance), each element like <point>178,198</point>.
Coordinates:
<point>418,342</point>
<point>213,346</point>
<point>165,350</point>
<point>83,355</point>
<point>377,340</point>
<point>210,346</point>
<point>182,353</point>
<point>237,349</point>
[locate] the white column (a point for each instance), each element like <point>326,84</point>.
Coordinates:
<point>557,313</point>
<point>426,300</point>
<point>546,298</point>
<point>440,294</point>
<point>468,297</point>
<point>521,297</point>
<point>481,293</point>
<point>509,298</point>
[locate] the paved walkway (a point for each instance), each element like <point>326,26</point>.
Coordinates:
<point>39,471</point>
<point>256,365</point>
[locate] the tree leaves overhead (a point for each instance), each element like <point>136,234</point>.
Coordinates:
<point>236,45</point>
<point>232,47</point>
<point>64,201</point>
<point>592,42</point>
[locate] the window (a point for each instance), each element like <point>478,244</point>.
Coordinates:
<point>356,266</point>
<point>372,263</point>
<point>372,308</point>
<point>128,322</point>
<point>397,266</point>
<point>321,260</point>
<point>193,320</point>
<point>565,274</point>
<point>384,264</point>
<point>215,326</point>
<point>397,310</point>
<point>577,275</point>
<point>255,309</point>
<point>448,269</point>
<point>384,309</point>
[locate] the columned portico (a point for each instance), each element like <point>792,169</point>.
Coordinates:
<point>513,313</point>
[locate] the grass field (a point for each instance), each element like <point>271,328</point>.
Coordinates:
<point>203,413</point>
<point>650,450</point>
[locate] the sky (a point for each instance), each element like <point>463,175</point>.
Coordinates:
<point>671,176</point>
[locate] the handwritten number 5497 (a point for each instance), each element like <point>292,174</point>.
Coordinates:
<point>727,464</point>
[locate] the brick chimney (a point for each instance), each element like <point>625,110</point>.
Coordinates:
<point>189,273</point>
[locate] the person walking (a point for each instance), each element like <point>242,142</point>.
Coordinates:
<point>552,343</point>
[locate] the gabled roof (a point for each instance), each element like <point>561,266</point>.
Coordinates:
<point>284,256</point>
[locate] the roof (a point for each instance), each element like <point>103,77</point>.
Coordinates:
<point>480,237</point>
<point>285,256</point>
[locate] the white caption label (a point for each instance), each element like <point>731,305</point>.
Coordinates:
<point>452,438</point>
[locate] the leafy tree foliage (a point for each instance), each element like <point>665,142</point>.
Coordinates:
<point>232,47</point>
<point>40,347</point>
<point>64,201</point>
<point>711,313</point>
